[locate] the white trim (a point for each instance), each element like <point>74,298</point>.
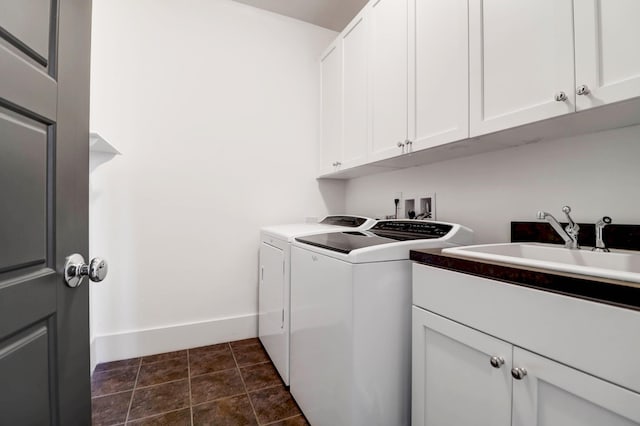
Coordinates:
<point>131,344</point>
<point>92,355</point>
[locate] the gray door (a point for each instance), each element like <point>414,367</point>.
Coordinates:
<point>44,174</point>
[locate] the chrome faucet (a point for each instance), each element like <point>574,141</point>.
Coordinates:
<point>569,234</point>
<point>600,246</point>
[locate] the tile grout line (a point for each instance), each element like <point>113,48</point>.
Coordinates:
<point>189,379</point>
<point>133,392</point>
<point>282,420</point>
<point>155,415</point>
<point>244,385</point>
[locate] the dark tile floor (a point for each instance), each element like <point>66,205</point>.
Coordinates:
<point>230,384</point>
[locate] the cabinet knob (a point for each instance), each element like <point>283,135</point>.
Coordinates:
<point>338,163</point>
<point>518,373</point>
<point>583,90</point>
<point>496,361</point>
<point>561,97</point>
<point>400,144</point>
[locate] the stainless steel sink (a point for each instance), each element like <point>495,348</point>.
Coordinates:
<point>617,264</point>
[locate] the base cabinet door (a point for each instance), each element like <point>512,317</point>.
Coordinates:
<point>552,394</point>
<point>607,53</point>
<point>520,61</point>
<point>460,376</point>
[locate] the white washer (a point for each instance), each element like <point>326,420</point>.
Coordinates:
<point>274,281</point>
<point>351,320</point>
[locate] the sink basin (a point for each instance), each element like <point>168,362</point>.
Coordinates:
<point>618,265</point>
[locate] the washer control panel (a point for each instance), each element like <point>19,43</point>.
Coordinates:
<point>411,229</point>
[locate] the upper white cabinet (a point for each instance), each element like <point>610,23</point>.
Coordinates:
<point>607,53</point>
<point>521,62</point>
<point>388,68</point>
<point>406,76</point>
<point>438,72</point>
<point>354,41</point>
<point>331,108</point>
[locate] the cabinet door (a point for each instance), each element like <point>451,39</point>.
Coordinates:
<point>438,72</point>
<point>553,394</point>
<point>521,56</point>
<point>354,95</point>
<point>388,77</point>
<point>607,53</point>
<point>271,307</point>
<point>331,108</point>
<point>453,381</point>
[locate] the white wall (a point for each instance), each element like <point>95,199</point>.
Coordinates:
<point>596,174</point>
<point>214,106</point>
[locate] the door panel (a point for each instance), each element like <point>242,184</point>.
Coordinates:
<point>521,55</point>
<point>553,394</point>
<point>25,24</point>
<point>354,98</point>
<point>388,77</point>
<point>26,377</point>
<point>44,117</point>
<point>331,108</point>
<point>439,109</point>
<point>607,57</point>
<point>23,183</point>
<point>453,380</point>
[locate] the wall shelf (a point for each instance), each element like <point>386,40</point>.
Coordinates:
<point>99,144</point>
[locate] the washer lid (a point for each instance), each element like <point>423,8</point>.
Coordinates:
<point>345,242</point>
<point>384,232</point>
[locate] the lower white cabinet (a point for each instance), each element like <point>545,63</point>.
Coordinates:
<point>462,376</point>
<point>554,394</point>
<point>487,353</point>
<point>453,380</point>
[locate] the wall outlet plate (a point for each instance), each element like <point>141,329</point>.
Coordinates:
<point>424,206</point>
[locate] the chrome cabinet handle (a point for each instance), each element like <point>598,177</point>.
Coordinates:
<point>496,361</point>
<point>583,90</point>
<point>561,97</point>
<point>75,270</point>
<point>518,373</point>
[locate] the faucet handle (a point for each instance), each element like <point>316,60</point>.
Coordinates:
<point>600,246</point>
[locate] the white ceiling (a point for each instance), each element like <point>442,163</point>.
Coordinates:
<point>332,14</point>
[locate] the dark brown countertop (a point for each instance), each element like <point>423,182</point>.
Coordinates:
<point>619,293</point>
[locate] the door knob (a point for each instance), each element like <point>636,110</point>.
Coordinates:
<point>518,373</point>
<point>496,361</point>
<point>583,90</point>
<point>561,97</point>
<point>75,270</point>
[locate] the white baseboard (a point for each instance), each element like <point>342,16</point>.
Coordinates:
<point>112,347</point>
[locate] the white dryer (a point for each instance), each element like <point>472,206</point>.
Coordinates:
<point>274,281</point>
<point>351,320</point>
